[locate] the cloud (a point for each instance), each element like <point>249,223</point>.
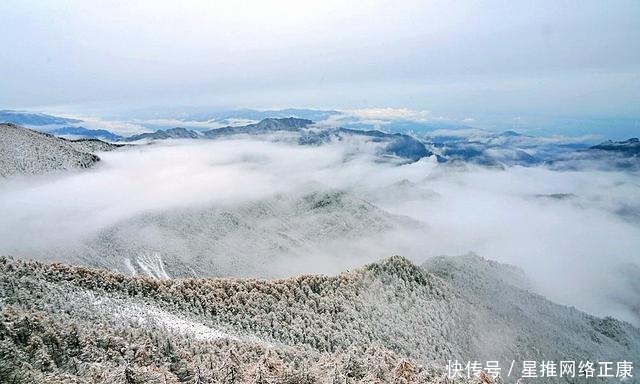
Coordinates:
<point>209,124</point>
<point>380,117</point>
<point>461,133</point>
<point>496,138</point>
<point>124,128</point>
<point>571,247</point>
<point>389,114</point>
<point>196,124</point>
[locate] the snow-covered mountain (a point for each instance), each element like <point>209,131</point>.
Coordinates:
<point>24,151</point>
<point>609,155</point>
<point>394,144</point>
<point>630,147</point>
<point>507,148</point>
<point>173,133</point>
<point>513,317</point>
<point>449,142</point>
<point>81,132</point>
<point>304,132</point>
<point>388,322</point>
<point>274,236</point>
<point>265,126</point>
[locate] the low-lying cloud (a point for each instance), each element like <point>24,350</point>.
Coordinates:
<point>564,228</point>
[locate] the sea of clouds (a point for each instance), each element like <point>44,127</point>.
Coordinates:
<point>575,232</point>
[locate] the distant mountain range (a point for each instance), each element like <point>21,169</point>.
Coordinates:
<point>511,148</point>
<point>618,155</point>
<point>269,125</point>
<point>81,132</point>
<point>629,147</point>
<point>173,133</point>
<point>484,148</point>
<point>265,126</point>
<point>396,145</point>
<point>205,114</point>
<point>37,119</point>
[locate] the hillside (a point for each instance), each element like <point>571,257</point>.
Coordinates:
<point>517,322</point>
<point>72,323</point>
<point>386,322</point>
<point>24,151</point>
<point>274,236</point>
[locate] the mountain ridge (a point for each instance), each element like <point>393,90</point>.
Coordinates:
<point>26,151</point>
<point>396,144</point>
<point>31,118</point>
<point>315,326</point>
<point>101,134</point>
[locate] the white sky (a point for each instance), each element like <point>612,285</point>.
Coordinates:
<point>549,57</point>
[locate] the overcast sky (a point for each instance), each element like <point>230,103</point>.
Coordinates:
<point>561,58</point>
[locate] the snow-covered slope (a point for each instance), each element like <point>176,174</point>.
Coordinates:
<point>382,323</point>
<point>510,319</point>
<point>24,151</point>
<point>93,145</point>
<point>274,236</point>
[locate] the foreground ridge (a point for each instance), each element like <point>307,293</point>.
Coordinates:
<point>386,322</point>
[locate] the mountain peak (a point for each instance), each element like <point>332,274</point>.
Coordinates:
<point>627,147</point>
<point>292,122</point>
<point>172,133</point>
<point>267,125</point>
<point>398,266</point>
<point>180,131</point>
<point>509,133</point>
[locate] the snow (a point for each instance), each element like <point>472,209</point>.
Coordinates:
<point>143,314</point>
<point>152,265</point>
<point>24,151</point>
<point>187,327</point>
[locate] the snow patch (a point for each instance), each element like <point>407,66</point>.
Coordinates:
<point>187,327</point>
<point>147,315</point>
<point>152,265</point>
